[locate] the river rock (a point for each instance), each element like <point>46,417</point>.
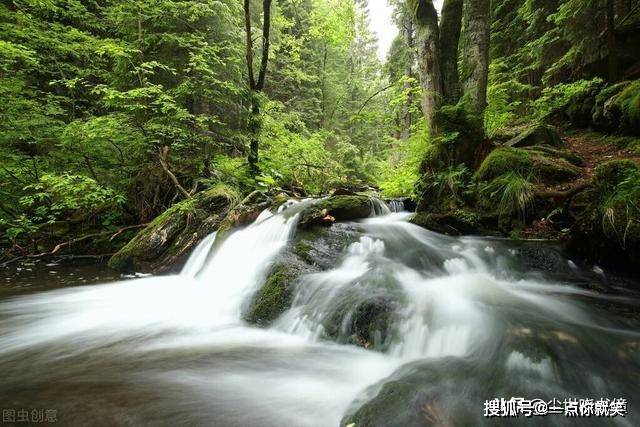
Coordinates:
<point>336,208</point>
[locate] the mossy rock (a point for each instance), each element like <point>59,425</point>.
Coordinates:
<point>627,105</point>
<point>607,215</point>
<point>536,135</point>
<point>426,394</point>
<point>275,296</point>
<point>336,208</point>
<point>456,223</point>
<point>365,323</point>
<point>535,163</point>
<point>170,236</point>
<point>603,117</point>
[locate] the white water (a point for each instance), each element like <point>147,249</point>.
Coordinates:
<point>178,346</point>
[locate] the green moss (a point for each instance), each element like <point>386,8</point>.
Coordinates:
<point>275,297</point>
<point>535,164</point>
<point>536,135</point>
<point>628,105</point>
<point>543,150</point>
<point>609,225</point>
<point>600,118</point>
<point>303,250</point>
<point>461,133</point>
<point>504,160</point>
<point>174,232</point>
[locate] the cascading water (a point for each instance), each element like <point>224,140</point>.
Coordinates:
<point>460,319</point>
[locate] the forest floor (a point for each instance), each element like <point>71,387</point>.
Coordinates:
<point>595,149</point>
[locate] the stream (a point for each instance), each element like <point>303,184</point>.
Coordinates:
<point>468,320</point>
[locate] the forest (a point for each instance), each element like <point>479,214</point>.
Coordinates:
<point>114,111</point>
<point>355,213</point>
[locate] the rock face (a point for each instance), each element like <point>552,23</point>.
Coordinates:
<point>607,215</point>
<point>169,238</point>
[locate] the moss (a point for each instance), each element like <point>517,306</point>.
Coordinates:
<point>601,119</point>
<point>627,103</point>
<point>275,297</point>
<point>172,234</point>
<point>537,165</point>
<point>536,135</point>
<point>608,222</point>
<point>461,134</point>
<point>567,155</point>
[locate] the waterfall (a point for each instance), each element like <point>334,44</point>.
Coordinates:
<point>175,350</point>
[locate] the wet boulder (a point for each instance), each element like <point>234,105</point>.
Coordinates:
<point>456,223</point>
<point>536,135</point>
<point>336,208</point>
<point>276,295</point>
<point>168,239</point>
<point>309,251</point>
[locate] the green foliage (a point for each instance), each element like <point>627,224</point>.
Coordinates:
<point>557,98</point>
<point>617,196</point>
<point>65,197</point>
<point>399,179</point>
<point>628,103</point>
<point>509,194</point>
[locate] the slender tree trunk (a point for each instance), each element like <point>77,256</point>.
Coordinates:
<point>476,53</point>
<point>407,27</point>
<point>256,86</point>
<point>611,41</point>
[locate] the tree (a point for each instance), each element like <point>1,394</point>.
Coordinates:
<point>256,86</point>
<point>475,56</point>
<point>438,54</point>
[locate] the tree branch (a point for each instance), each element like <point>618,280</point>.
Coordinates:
<point>163,152</point>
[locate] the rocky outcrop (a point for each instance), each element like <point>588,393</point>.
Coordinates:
<point>168,239</point>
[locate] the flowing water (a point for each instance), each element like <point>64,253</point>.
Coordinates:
<point>468,319</point>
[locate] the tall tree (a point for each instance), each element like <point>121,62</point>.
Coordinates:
<point>475,56</point>
<point>256,86</point>
<point>438,47</point>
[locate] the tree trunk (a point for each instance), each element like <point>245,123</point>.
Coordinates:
<point>407,27</point>
<point>476,53</point>
<point>428,36</point>
<point>450,25</point>
<point>611,41</point>
<point>256,86</point>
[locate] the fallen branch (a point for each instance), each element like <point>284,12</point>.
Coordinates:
<point>71,242</point>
